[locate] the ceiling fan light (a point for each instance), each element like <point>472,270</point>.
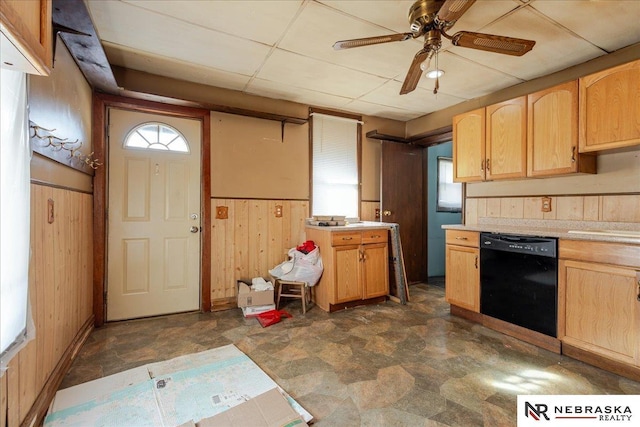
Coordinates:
<point>433,74</point>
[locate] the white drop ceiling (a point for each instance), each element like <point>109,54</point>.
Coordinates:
<point>283,49</point>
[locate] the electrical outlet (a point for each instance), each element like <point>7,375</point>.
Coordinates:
<point>546,204</point>
<point>222,212</point>
<point>377,215</point>
<point>278,211</point>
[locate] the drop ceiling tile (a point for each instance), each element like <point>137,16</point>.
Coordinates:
<point>318,27</point>
<point>303,72</point>
<point>127,25</point>
<point>377,110</point>
<point>262,21</point>
<point>169,67</point>
<point>301,95</point>
<point>610,25</point>
<point>483,12</point>
<point>392,15</point>
<point>467,79</point>
<point>420,100</point>
<point>555,48</point>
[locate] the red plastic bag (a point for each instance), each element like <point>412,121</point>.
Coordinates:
<point>306,247</point>
<point>270,317</point>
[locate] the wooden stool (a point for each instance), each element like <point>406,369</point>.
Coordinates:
<point>291,289</point>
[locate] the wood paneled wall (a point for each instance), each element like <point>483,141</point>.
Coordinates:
<point>605,208</point>
<point>368,211</point>
<point>251,240</point>
<point>61,294</point>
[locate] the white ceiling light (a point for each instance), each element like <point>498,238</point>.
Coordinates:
<point>433,74</point>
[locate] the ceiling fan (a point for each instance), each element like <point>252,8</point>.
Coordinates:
<point>432,19</point>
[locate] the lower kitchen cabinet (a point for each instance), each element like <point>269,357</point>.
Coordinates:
<point>462,277</point>
<point>599,304</point>
<point>356,266</point>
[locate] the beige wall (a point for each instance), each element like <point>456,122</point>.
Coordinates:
<point>61,101</point>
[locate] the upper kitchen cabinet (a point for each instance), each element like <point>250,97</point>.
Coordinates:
<point>610,108</point>
<point>506,140</point>
<point>469,146</point>
<point>26,35</point>
<point>491,143</point>
<point>552,135</point>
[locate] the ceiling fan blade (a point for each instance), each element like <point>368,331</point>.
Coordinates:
<point>348,44</point>
<point>492,43</point>
<point>415,72</point>
<point>452,10</point>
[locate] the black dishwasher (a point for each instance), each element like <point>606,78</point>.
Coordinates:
<point>519,280</point>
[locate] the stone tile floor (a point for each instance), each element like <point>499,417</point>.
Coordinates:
<point>382,365</point>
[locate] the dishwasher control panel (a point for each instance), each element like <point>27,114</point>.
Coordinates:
<point>542,246</point>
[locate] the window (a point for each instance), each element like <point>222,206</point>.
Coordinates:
<point>156,136</point>
<point>335,177</point>
<point>15,158</point>
<point>449,193</point>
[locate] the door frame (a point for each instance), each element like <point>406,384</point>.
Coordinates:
<point>99,129</point>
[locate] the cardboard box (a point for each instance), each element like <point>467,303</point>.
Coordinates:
<point>247,297</point>
<point>269,409</point>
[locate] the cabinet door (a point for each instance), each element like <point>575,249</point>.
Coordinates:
<point>375,266</point>
<point>27,25</point>
<point>602,312</point>
<point>348,285</point>
<point>610,108</point>
<point>462,279</point>
<point>468,146</point>
<point>506,141</point>
<point>552,141</point>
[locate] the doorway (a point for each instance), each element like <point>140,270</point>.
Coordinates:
<point>154,221</point>
<point>437,217</point>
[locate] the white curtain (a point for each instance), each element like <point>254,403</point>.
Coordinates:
<point>15,157</point>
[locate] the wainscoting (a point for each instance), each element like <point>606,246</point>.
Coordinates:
<point>61,294</point>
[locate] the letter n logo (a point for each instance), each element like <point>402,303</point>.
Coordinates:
<point>536,411</point>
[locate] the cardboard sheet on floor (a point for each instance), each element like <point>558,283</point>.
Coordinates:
<point>185,389</point>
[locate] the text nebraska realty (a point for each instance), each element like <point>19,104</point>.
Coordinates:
<point>601,413</point>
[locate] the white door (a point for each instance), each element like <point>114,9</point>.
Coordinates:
<point>153,264</point>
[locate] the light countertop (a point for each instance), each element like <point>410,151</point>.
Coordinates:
<point>360,225</point>
<point>572,230</point>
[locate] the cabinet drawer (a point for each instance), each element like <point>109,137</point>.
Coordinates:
<point>346,238</point>
<point>374,236</point>
<point>463,238</point>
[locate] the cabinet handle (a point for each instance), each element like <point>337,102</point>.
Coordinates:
<point>476,262</point>
<point>482,166</point>
<point>347,238</point>
<point>638,297</point>
<point>573,154</point>
<point>488,166</point>
<point>461,238</point>
<point>375,236</point>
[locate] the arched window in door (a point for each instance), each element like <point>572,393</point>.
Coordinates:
<point>156,136</point>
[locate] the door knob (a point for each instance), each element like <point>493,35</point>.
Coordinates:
<point>386,213</point>
<point>194,229</point>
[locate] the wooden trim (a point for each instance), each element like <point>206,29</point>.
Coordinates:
<point>101,102</point>
<point>351,304</point>
<point>524,334</point>
<point>335,113</point>
<point>205,201</point>
<point>434,137</point>
<point>556,195</point>
<point>61,187</point>
<point>310,164</point>
<point>373,134</point>
<point>465,313</point>
<point>39,409</point>
<point>628,371</point>
<point>359,166</point>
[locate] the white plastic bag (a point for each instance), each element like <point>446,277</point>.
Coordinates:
<point>300,267</point>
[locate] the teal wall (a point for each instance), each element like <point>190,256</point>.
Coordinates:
<point>435,233</point>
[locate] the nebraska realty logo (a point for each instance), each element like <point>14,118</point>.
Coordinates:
<point>578,410</point>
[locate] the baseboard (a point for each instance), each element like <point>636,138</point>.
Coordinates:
<point>221,304</point>
<point>39,409</point>
<point>623,369</point>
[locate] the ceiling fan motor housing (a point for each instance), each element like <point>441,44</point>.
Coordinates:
<point>422,15</point>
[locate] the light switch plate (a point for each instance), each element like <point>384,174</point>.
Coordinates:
<point>222,212</point>
<point>546,204</point>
